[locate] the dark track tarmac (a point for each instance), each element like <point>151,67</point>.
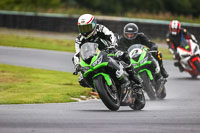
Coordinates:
<point>178,113</point>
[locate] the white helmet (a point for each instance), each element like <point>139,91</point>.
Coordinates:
<point>86,25</point>
<point>174,27</point>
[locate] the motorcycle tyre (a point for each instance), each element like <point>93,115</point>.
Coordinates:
<point>100,85</point>
<point>148,87</point>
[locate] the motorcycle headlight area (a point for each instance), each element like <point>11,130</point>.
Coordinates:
<point>84,69</point>
<point>98,61</point>
<point>144,60</point>
<point>134,65</point>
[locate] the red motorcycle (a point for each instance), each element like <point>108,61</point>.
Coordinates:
<point>189,54</point>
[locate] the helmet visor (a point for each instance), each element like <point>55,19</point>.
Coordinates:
<point>174,31</point>
<point>85,28</point>
<point>129,35</point>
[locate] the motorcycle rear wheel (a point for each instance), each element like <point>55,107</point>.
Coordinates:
<point>109,98</point>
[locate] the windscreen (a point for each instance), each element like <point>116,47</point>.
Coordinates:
<point>135,50</point>
<point>185,44</point>
<point>88,50</point>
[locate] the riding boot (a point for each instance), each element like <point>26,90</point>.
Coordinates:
<point>124,81</point>
<point>137,87</point>
<point>178,64</point>
<point>133,75</point>
<point>158,57</point>
<point>163,71</point>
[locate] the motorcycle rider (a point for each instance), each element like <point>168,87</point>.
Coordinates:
<point>132,36</point>
<point>90,31</point>
<point>174,37</point>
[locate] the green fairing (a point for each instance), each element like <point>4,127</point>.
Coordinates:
<point>111,54</point>
<point>134,62</point>
<point>140,65</point>
<point>94,68</point>
<point>104,64</point>
<point>148,72</point>
<point>106,77</point>
<point>95,57</point>
<point>84,64</point>
<point>142,55</point>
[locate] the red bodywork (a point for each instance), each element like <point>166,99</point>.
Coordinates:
<point>194,71</point>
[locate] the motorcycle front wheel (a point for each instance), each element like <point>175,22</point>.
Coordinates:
<point>197,65</point>
<point>107,94</point>
<point>148,87</point>
<point>162,94</point>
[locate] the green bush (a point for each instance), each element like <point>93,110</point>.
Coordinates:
<point>110,7</point>
<point>28,5</point>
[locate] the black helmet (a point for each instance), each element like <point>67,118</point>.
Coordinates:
<point>130,31</point>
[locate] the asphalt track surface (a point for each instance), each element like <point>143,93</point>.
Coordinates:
<point>178,113</point>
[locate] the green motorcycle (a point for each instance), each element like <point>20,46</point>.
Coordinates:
<point>148,69</point>
<point>99,72</point>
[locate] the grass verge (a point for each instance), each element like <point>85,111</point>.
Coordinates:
<point>50,44</point>
<point>35,42</point>
<point>165,53</point>
<point>22,85</point>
